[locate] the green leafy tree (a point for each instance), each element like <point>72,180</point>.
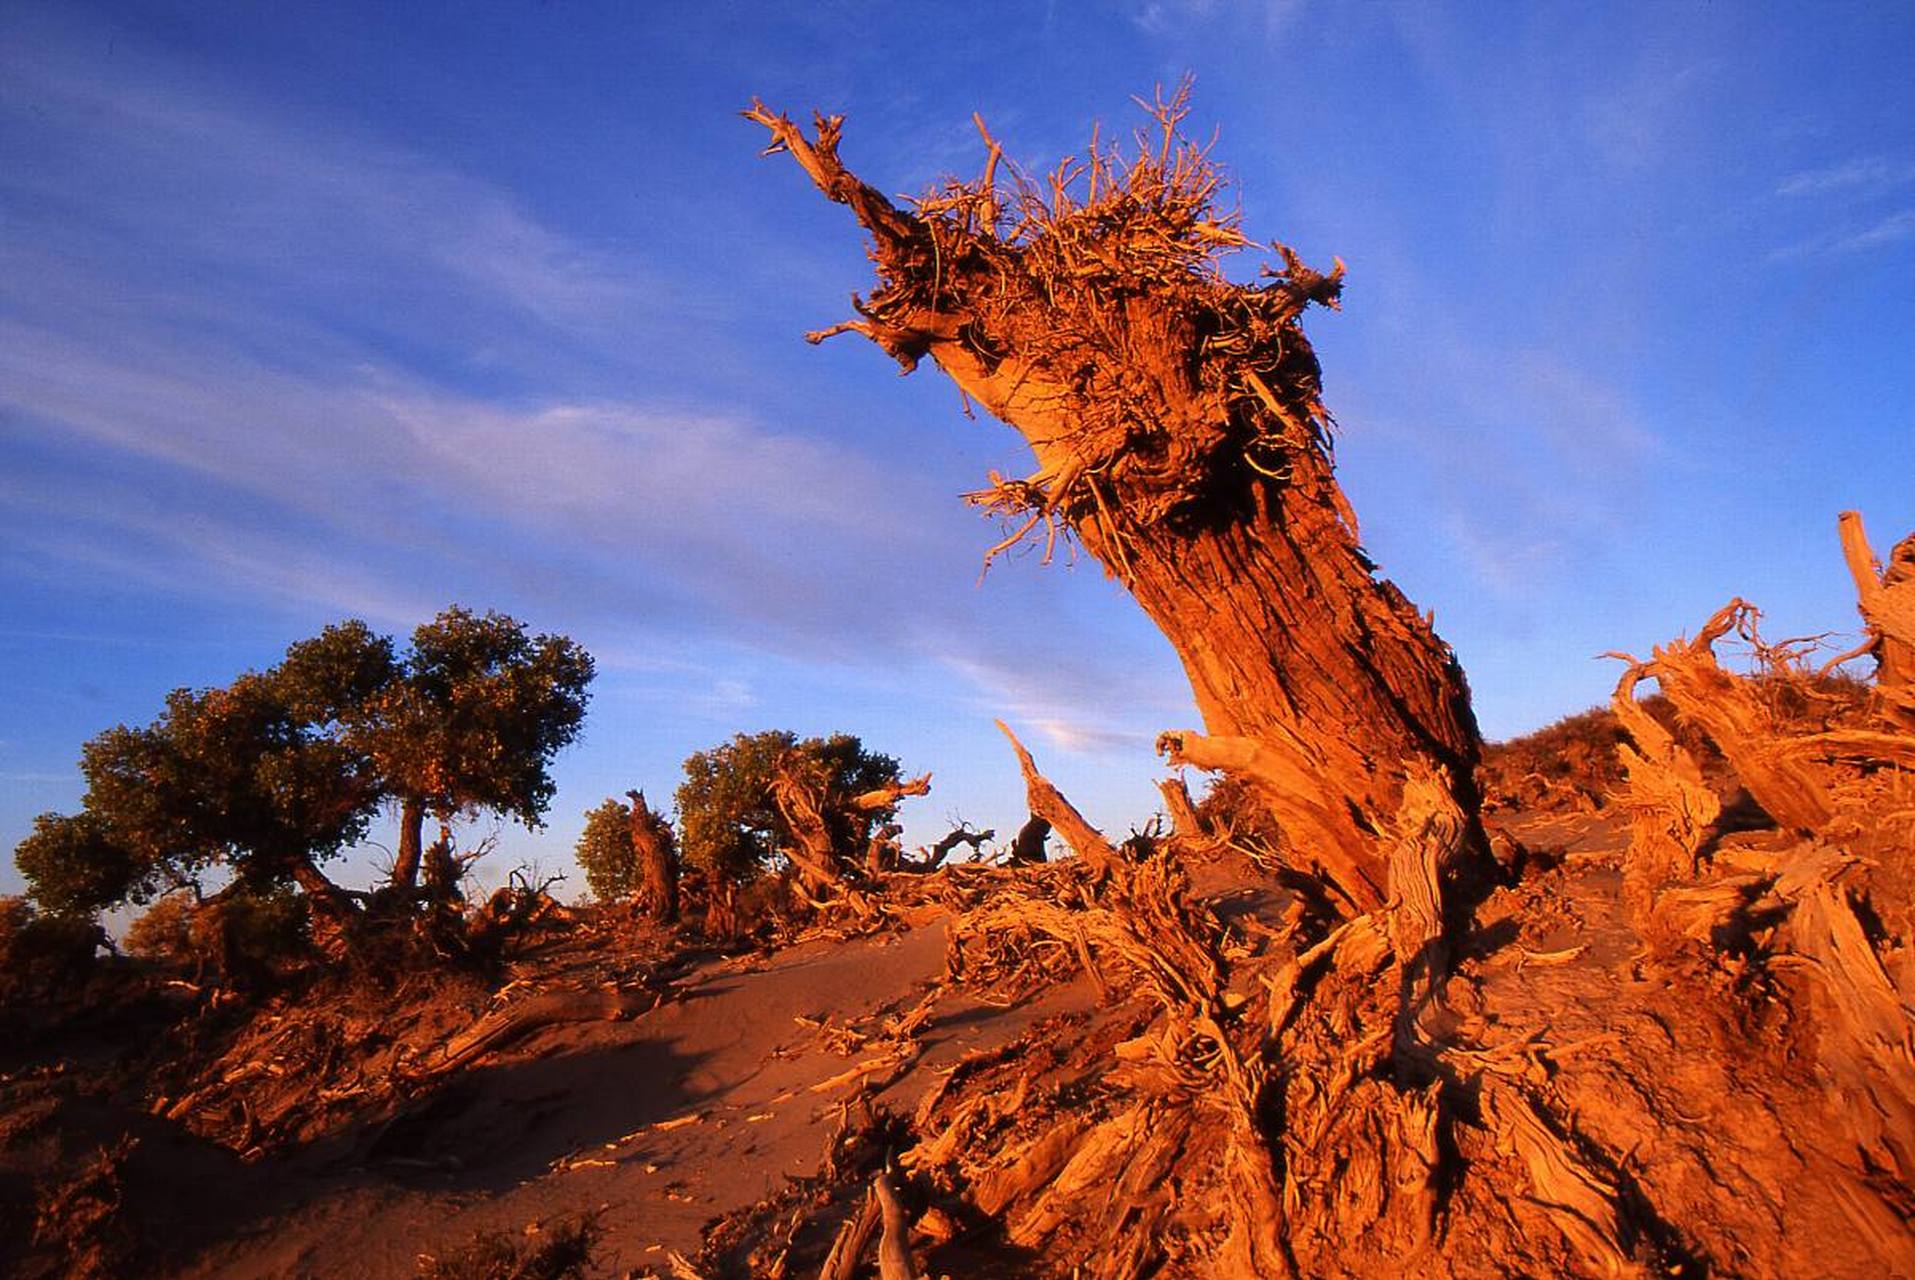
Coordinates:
<point>605,852</point>
<point>470,720</point>
<point>74,868</point>
<point>43,956</point>
<point>729,824</point>
<point>235,776</point>
<point>279,771</point>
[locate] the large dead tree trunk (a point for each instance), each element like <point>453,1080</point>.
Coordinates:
<point>1885,597</point>
<point>1179,435</point>
<point>800,791</point>
<point>653,846</point>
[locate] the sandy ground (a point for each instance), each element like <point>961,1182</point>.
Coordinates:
<point>661,1123</point>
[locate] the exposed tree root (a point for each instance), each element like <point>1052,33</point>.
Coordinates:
<point>1826,912</point>
<point>1333,1096</point>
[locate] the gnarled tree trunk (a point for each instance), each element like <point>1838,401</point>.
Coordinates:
<point>1179,435</point>
<point>1885,597</point>
<point>654,847</point>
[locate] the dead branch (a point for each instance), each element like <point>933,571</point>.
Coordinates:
<point>962,834</point>
<point>519,1019</point>
<point>1048,803</point>
<point>1184,820</point>
<point>889,794</point>
<point>1179,434</point>
<point>654,846</point>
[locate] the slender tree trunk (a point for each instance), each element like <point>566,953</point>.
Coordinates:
<point>412,824</point>
<point>721,908</point>
<point>1178,432</point>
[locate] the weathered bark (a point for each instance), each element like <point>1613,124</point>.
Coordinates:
<point>1672,811</point>
<point>894,1245</point>
<point>653,846</point>
<point>1050,804</point>
<point>1179,434</point>
<point>881,849</point>
<point>412,824</point>
<point>1185,821</point>
<point>827,829</point>
<point>1885,597</point>
<point>799,792</point>
<point>1731,712</point>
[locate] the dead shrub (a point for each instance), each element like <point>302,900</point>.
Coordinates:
<point>79,1217</point>
<point>562,1250</point>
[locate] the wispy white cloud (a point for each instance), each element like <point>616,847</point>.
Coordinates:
<point>219,384</point>
<point>1882,233</point>
<point>1091,708</point>
<point>1531,458</point>
<point>1893,229</point>
<point>1169,17</point>
<point>1862,175</point>
<point>140,191</point>
<point>392,480</point>
<point>1629,122</point>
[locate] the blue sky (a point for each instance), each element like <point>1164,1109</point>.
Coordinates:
<point>316,311</point>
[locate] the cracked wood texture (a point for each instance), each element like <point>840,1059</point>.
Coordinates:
<point>1180,437</point>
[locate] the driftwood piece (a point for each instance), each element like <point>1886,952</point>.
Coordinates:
<point>1672,811</point>
<point>1867,1045</point>
<point>960,835</point>
<point>854,1235</point>
<point>894,1245</point>
<point>799,791</point>
<point>521,1018</point>
<point>1184,819</point>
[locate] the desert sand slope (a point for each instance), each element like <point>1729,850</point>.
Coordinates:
<point>725,1103</point>
<point>704,1105</point>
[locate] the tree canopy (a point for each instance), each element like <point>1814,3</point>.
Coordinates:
<point>730,824</point>
<point>605,852</point>
<point>279,771</point>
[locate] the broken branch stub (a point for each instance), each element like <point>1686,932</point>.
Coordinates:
<point>1179,435</point>
<point>1048,803</point>
<point>655,847</point>
<point>1885,597</point>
